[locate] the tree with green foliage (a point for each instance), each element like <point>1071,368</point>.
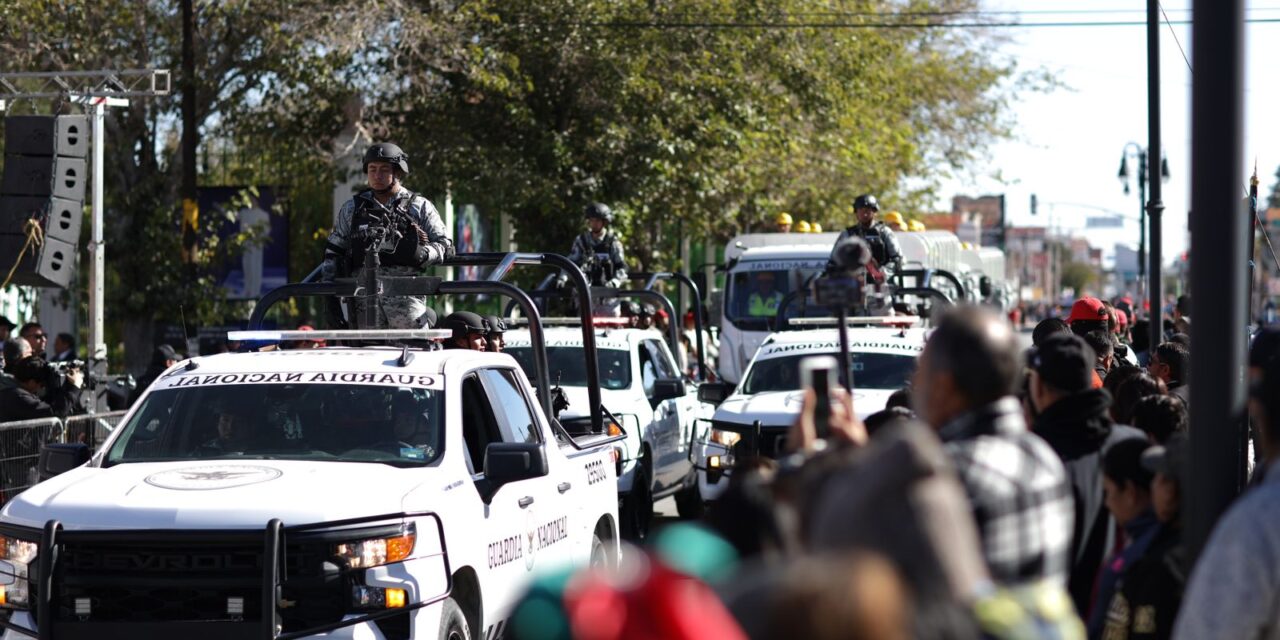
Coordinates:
<point>1078,276</point>
<point>242,46</point>
<point>697,118</point>
<point>642,105</point>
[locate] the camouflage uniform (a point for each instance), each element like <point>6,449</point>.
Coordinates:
<point>405,258</point>
<point>586,249</point>
<point>884,244</point>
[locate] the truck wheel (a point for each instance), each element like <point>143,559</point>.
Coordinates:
<point>453,625</point>
<point>637,509</point>
<point>599,555</point>
<point>689,502</point>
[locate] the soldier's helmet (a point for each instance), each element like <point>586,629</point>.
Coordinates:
<point>599,211</point>
<point>387,152</point>
<point>464,323</point>
<point>866,200</point>
<point>495,324</point>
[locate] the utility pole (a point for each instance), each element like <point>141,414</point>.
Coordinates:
<point>1218,265</point>
<point>190,137</point>
<point>1155,206</point>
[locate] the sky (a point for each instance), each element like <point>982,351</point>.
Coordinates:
<point>1068,143</point>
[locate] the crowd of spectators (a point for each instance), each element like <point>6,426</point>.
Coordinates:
<point>1008,493</point>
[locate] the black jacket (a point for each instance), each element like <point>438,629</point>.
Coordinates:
<point>1150,591</point>
<point>1181,391</point>
<point>1079,431</point>
<point>17,403</point>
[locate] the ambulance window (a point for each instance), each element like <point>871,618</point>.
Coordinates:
<point>514,417</point>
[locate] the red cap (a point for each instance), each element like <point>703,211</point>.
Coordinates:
<point>1087,309</point>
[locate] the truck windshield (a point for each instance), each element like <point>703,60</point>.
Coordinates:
<point>753,296</point>
<point>870,371</point>
<point>402,426</point>
<point>566,366</point>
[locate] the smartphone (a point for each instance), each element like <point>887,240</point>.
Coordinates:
<point>819,373</point>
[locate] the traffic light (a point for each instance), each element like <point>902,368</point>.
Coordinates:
<point>1033,204</point>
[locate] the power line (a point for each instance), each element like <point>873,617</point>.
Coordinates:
<point>1175,39</point>
<point>718,25</point>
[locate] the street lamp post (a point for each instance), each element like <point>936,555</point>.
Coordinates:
<point>1142,176</point>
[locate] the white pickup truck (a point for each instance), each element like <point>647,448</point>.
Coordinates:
<point>364,492</point>
<point>644,389</point>
<point>771,394</point>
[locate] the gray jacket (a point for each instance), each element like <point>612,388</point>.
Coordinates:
<point>884,244</point>
<point>438,243</point>
<point>586,248</point>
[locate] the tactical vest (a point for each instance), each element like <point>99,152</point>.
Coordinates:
<point>601,273</point>
<point>874,238</point>
<point>392,253</point>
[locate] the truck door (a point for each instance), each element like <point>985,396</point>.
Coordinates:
<point>550,519</point>
<point>509,522</point>
<point>670,463</point>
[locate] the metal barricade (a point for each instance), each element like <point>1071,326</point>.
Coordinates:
<point>20,452</point>
<point>93,429</point>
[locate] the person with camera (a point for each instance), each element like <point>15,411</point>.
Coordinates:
<point>886,253</point>
<point>41,391</point>
<point>402,227</point>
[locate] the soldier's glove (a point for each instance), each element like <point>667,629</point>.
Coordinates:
<point>328,269</point>
<point>422,255</point>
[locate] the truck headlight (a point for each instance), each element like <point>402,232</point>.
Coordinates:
<point>16,557</point>
<point>375,598</point>
<point>373,552</point>
<point>725,438</point>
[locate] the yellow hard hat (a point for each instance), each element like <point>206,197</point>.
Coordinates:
<point>815,228</point>
<point>802,227</point>
<point>915,225</point>
<point>893,217</point>
<point>783,218</point>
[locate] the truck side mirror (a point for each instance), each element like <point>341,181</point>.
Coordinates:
<point>714,393</point>
<point>58,458</point>
<point>506,462</point>
<point>668,389</point>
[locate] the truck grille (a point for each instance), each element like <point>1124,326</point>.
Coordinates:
<point>159,583</point>
<point>178,581</point>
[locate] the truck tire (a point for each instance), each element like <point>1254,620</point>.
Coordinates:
<point>599,555</point>
<point>637,508</point>
<point>453,624</point>
<point>689,502</point>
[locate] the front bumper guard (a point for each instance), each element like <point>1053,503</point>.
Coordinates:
<point>274,536</point>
